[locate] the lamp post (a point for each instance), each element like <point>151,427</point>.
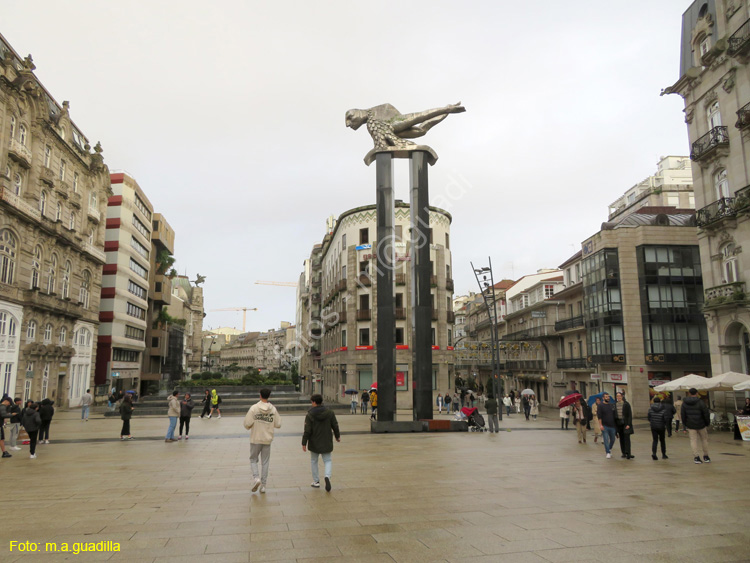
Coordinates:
<point>487,289</point>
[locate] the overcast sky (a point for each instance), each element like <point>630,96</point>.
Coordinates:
<point>230,115</point>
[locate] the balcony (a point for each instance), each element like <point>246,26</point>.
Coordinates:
<point>739,42</point>
<point>94,252</point>
<point>364,279</point>
<point>364,314</point>
<point>400,279</point>
<point>341,317</point>
<point>708,143</point>
<point>63,189</point>
<point>315,298</point>
<point>162,290</point>
<point>20,153</point>
<point>451,317</point>
<point>569,323</point>
<point>14,201</point>
<point>743,117</point>
<point>75,199</point>
<point>53,304</point>
<point>715,211</point>
<point>531,332</point>
<point>725,295</point>
<point>47,175</point>
<point>434,314</point>
<point>94,214</point>
<point>341,286</point>
<point>433,281</point>
<point>449,284</point>
<point>400,313</point>
<point>572,363</point>
<point>316,281</point>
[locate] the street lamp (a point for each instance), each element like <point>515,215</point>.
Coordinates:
<point>487,289</point>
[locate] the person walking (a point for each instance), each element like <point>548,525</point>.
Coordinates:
<point>15,424</point>
<point>564,416</point>
<point>373,403</point>
<point>206,402</point>
<point>173,412</point>
<point>678,416</point>
<point>32,422</point>
<point>439,403</point>
<point>447,402</point>
<point>659,417</point>
<point>320,428</point>
<point>606,413</point>
<point>517,403</point>
<point>526,400</point>
<point>596,426</point>
<point>262,419</point>
<point>533,407</point>
<point>580,419</point>
<point>46,412</point>
<point>624,424</point>
<point>669,413</point>
<point>353,404</point>
<point>186,411</point>
<point>86,402</point>
<point>112,400</point>
<point>507,403</point>
<point>5,404</point>
<point>696,418</point>
<point>365,400</point>
<point>126,411</point>
<point>215,402</point>
<point>456,404</point>
<point>491,406</point>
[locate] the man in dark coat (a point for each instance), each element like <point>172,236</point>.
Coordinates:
<point>320,428</point>
<point>659,418</point>
<point>491,405</point>
<point>696,417</point>
<point>624,424</point>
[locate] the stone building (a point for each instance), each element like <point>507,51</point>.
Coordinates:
<point>715,85</point>
<point>187,307</point>
<point>240,351</point>
<point>347,323</point>
<point>53,190</point>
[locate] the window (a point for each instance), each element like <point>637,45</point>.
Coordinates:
<point>31,331</point>
<point>36,265</point>
<point>691,201</point>
<point>364,301</point>
<point>399,301</point>
<point>343,241</point>
<point>704,45</point>
<point>66,280</point>
<point>673,200</point>
<point>7,256</point>
<point>138,269</point>
<point>136,311</point>
<point>364,236</point>
<point>142,207</point>
<point>58,212</point>
<point>75,182</point>
<point>48,333</point>
<point>714,115</point>
<point>72,221</point>
<point>83,293</point>
<point>364,336</point>
<point>138,247</point>
<point>45,380</point>
<point>447,241</point>
<point>62,170</point>
<point>12,126</point>
<point>364,267</point>
<point>92,200</point>
<point>52,275</point>
<point>343,338</point>
<point>343,272</point>
<point>17,183</point>
<point>63,335</point>
<point>450,337</point>
<point>134,333</point>
<point>728,264</point>
<point>137,290</point>
<point>22,134</point>
<point>43,202</point>
<point>549,291</point>
<point>433,336</point>
<point>91,236</point>
<point>47,156</point>
<point>27,384</point>
<point>722,184</point>
<point>121,355</point>
<point>399,335</point>
<point>82,338</point>
<point>141,227</point>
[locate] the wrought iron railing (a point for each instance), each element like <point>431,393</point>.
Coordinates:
<point>743,117</point>
<point>716,137</point>
<point>572,363</point>
<point>739,42</point>
<point>569,323</point>
<point>715,211</point>
<point>364,314</point>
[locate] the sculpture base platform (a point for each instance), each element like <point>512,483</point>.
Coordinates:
<point>403,152</point>
<point>406,426</point>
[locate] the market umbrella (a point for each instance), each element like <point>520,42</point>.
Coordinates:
<point>687,382</point>
<point>528,392</point>
<point>351,392</point>
<point>568,400</point>
<point>742,386</point>
<point>724,382</point>
<point>592,399</point>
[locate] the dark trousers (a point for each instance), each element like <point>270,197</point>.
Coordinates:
<point>125,428</point>
<point>32,440</point>
<point>624,440</point>
<point>526,411</point>
<point>186,421</point>
<point>44,430</point>
<point>364,407</point>
<point>657,435</point>
<point>206,409</point>
<point>669,428</point>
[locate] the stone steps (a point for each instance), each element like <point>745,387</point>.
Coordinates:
<point>234,410</point>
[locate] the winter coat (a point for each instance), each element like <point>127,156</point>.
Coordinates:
<point>174,406</point>
<point>47,411</point>
<point>126,410</point>
<point>627,418</point>
<point>31,420</point>
<point>320,427</point>
<point>15,414</point>
<point>658,416</point>
<point>261,420</point>
<point>215,399</point>
<point>365,397</point>
<point>186,408</point>
<point>373,401</point>
<point>695,413</point>
<point>491,406</point>
<point>534,407</point>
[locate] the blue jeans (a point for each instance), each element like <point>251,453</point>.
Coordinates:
<point>314,465</point>
<point>608,437</point>
<point>84,412</point>
<point>170,430</point>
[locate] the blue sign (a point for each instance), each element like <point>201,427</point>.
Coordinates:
<point>364,246</point>
<point>116,374</point>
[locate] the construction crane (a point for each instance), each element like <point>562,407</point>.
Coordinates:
<point>244,312</point>
<point>282,284</point>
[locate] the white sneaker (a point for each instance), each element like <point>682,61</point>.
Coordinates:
<point>32,456</point>
<point>315,484</point>
<point>262,488</point>
<point>46,441</point>
<point>256,485</point>
<point>209,416</point>
<point>218,416</point>
<point>15,448</point>
<point>609,456</point>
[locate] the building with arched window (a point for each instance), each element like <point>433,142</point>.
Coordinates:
<point>51,240</point>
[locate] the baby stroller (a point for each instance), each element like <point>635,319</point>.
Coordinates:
<point>472,416</point>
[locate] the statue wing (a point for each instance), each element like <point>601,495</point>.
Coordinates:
<point>385,112</point>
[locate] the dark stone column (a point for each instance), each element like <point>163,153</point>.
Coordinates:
<point>421,305</point>
<point>386,324</point>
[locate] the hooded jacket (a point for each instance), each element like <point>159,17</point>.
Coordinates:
<point>186,408</point>
<point>31,420</point>
<point>695,413</point>
<point>47,411</point>
<point>215,399</point>
<point>658,416</point>
<point>320,423</point>
<point>262,419</point>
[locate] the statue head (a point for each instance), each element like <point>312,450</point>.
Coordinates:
<point>355,118</point>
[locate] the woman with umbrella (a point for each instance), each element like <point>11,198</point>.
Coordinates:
<point>354,395</point>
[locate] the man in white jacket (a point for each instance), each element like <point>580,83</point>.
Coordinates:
<point>261,420</point>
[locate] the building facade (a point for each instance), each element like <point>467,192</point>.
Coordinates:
<point>53,189</point>
<point>715,85</point>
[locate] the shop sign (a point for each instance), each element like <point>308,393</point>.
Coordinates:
<point>538,314</point>
<point>364,247</point>
<point>616,377</point>
<point>596,376</point>
<point>400,379</point>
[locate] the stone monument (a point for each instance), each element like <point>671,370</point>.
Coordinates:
<point>390,131</point>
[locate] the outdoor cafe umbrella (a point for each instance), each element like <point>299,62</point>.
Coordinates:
<point>688,382</point>
<point>528,392</point>
<point>742,386</point>
<point>351,392</point>
<point>568,400</point>
<point>723,382</point>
